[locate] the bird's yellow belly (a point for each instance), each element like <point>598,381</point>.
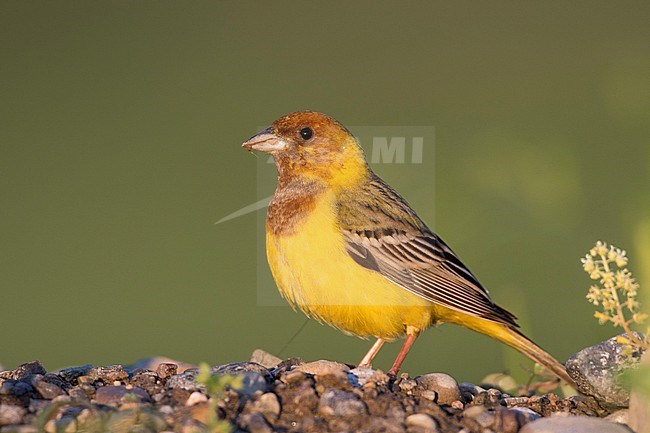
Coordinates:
<point>314,272</point>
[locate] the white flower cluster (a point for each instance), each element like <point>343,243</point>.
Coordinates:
<point>616,290</point>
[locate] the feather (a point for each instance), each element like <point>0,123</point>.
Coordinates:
<point>383,234</point>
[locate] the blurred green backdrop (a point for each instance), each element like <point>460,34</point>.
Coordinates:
<point>121,125</point>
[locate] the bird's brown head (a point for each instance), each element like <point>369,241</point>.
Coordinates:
<point>313,145</point>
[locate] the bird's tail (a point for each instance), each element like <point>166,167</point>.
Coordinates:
<point>519,341</point>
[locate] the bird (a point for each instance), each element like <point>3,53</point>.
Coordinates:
<point>347,250</point>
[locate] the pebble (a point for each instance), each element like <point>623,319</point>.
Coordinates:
<point>268,405</point>
<point>480,415</point>
<point>338,403</point>
<point>251,383</point>
<point>108,374</point>
<point>37,405</point>
<point>10,414</point>
<point>596,369</point>
<point>46,389</point>
<point>185,380</point>
<point>332,398</point>
<point>255,423</point>
<point>468,391</point>
<point>7,386</point>
<point>361,376</point>
<point>572,424</point>
<point>511,420</point>
<point>196,398</point>
<point>639,413</point>
<point>17,389</point>
<point>293,377</point>
<point>322,366</point>
<point>72,373</point>
<point>265,359</point>
<point>23,428</point>
<point>25,370</point>
<point>620,416</point>
<point>152,363</point>
<point>166,369</point>
<point>114,395</point>
<point>236,368</point>
<point>388,425</point>
<point>422,421</point>
<point>442,384</point>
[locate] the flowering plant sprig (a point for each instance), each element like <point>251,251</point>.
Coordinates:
<point>616,290</point>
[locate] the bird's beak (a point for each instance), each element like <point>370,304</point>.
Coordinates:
<point>265,141</point>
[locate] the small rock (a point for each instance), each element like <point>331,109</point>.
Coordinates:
<point>72,373</point>
<point>293,377</point>
<point>37,405</point>
<point>458,405</point>
<point>287,365</point>
<point>24,428</point>
<point>596,369</point>
<point>114,395</point>
<point>422,421</point>
<point>251,382</point>
<point>268,405</point>
<point>154,362</point>
<point>490,398</point>
<point>196,398</point>
<point>19,388</point>
<point>46,389</point>
<point>318,367</point>
<point>390,425</point>
<point>265,359</point>
<point>335,402</point>
<point>109,374</point>
<point>10,414</point>
<point>166,369</point>
<point>27,369</point>
<point>62,399</point>
<point>185,380</point>
<point>572,424</point>
<point>361,376</point>
<point>442,384</point>
<point>468,391</point>
<point>406,385</point>
<point>254,423</point>
<point>511,420</point>
<point>332,378</point>
<point>620,416</point>
<point>7,386</point>
<point>639,414</point>
<point>480,415</point>
<point>253,377</point>
<point>236,368</point>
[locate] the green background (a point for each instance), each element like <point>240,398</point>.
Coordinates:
<point>121,125</point>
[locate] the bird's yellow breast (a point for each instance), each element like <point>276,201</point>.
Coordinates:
<point>314,272</point>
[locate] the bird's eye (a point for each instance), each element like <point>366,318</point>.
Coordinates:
<point>306,133</point>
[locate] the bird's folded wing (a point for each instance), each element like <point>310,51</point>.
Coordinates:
<point>383,234</point>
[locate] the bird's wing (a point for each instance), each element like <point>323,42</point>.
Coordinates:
<point>382,233</point>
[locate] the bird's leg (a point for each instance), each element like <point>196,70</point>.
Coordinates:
<point>411,335</point>
<point>365,362</point>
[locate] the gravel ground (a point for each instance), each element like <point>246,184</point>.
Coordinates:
<point>291,396</point>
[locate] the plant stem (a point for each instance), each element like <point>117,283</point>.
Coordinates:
<point>619,310</point>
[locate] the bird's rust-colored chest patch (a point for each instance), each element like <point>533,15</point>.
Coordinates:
<point>291,204</point>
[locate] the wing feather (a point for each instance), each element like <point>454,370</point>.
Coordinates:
<point>382,233</point>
